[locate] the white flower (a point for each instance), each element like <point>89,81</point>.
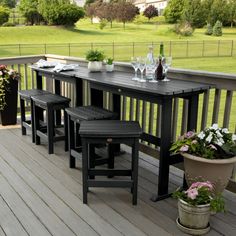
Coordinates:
<point>215,126</point>
<point>209,138</point>
<point>11,72</point>
<point>219,135</point>
<point>201,135</point>
<point>1,73</point>
<point>218,142</point>
<point>234,137</point>
<point>225,130</point>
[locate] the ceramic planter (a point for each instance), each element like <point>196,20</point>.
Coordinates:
<point>193,219</point>
<point>217,171</point>
<point>94,66</point>
<point>9,113</point>
<point>109,68</point>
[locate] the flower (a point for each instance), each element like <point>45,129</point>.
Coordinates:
<point>6,75</point>
<point>201,193</point>
<point>211,143</point>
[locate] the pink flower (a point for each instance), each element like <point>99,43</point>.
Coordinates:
<point>192,193</point>
<point>198,185</point>
<point>189,134</point>
<point>194,142</point>
<point>184,148</point>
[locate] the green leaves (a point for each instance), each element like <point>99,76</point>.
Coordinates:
<point>95,55</point>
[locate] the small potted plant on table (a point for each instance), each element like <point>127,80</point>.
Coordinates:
<point>95,58</point>
<point>8,95</point>
<point>109,64</point>
<point>195,206</point>
<point>208,155</point>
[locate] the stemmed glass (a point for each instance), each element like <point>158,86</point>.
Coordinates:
<point>166,64</point>
<point>152,68</point>
<point>142,66</point>
<point>135,65</point>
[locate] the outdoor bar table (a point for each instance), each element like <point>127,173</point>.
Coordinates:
<point>120,83</point>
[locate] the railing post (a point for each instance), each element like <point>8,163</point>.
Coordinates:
<point>232,48</point>
<point>19,49</point>
<point>187,49</point>
<point>218,48</point>
<point>133,49</point>
<point>69,48</point>
<point>170,50</point>
<point>203,47</point>
<point>113,50</point>
<point>45,48</point>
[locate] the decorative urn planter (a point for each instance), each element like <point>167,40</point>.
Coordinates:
<point>94,66</point>
<point>193,220</point>
<point>217,171</point>
<point>109,68</point>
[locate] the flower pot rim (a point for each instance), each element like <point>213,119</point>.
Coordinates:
<point>198,206</point>
<point>215,161</point>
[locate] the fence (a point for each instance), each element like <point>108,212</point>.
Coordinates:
<point>123,51</point>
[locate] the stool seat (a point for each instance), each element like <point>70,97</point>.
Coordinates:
<point>27,94</point>
<point>90,113</point>
<point>49,99</point>
<point>110,128</point>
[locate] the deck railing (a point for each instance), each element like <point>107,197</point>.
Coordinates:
<point>215,106</point>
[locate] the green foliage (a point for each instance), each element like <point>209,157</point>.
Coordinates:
<point>140,19</point>
<point>217,29</point>
<point>102,24</point>
<point>95,55</point>
<point>8,3</point>
<point>183,29</point>
<point>218,11</point>
<point>4,15</point>
<point>209,29</point>
<point>231,12</point>
<point>174,10</point>
<point>193,13</point>
<point>8,24</point>
<point>109,61</point>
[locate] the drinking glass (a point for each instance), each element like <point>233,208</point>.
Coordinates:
<point>166,64</point>
<point>152,69</point>
<point>135,65</point>
<point>142,66</point>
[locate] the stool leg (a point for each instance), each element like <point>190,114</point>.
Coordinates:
<point>135,158</point>
<point>66,131</point>
<point>36,114</point>
<point>110,158</point>
<point>32,121</point>
<point>78,139</point>
<point>22,109</point>
<point>71,137</point>
<point>91,159</point>
<point>85,170</point>
<point>50,129</point>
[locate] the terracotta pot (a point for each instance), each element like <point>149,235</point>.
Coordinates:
<point>193,219</point>
<point>217,171</point>
<point>109,68</point>
<point>94,66</point>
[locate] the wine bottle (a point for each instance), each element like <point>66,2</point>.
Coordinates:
<point>159,70</point>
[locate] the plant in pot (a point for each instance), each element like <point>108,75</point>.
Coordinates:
<point>95,58</point>
<point>208,155</point>
<point>109,64</point>
<point>195,206</point>
<point>8,95</point>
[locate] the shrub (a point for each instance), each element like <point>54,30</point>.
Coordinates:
<point>95,55</point>
<point>8,24</point>
<point>4,15</point>
<point>102,24</point>
<point>183,29</point>
<point>217,29</point>
<point>209,29</point>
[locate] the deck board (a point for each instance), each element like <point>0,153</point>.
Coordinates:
<point>43,195</point>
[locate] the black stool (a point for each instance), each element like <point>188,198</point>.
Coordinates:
<point>110,132</point>
<point>76,116</point>
<point>50,103</point>
<point>25,96</point>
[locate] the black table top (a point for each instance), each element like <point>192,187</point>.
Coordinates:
<point>123,80</point>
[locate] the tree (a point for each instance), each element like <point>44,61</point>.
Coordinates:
<point>8,3</point>
<point>194,14</point>
<point>217,29</point>
<point>150,12</point>
<point>92,9</point>
<point>231,6</point>
<point>174,10</point>
<point>4,15</point>
<point>125,12</point>
<point>218,11</point>
<point>29,10</point>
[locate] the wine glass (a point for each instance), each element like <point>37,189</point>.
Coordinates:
<point>142,66</point>
<point>152,69</point>
<point>166,64</point>
<point>135,65</point>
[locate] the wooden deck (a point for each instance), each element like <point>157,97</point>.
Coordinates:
<point>40,195</point>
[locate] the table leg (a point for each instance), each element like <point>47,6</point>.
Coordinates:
<point>192,112</point>
<point>57,89</point>
<point>163,180</point>
<point>96,97</point>
<point>117,109</point>
<point>79,92</point>
<point>39,85</point>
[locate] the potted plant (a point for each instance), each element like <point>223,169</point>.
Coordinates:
<point>8,95</point>
<point>95,58</point>
<point>195,206</point>
<point>208,155</point>
<point>109,64</point>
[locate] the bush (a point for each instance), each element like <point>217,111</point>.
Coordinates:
<point>217,29</point>
<point>183,29</point>
<point>209,29</point>
<point>8,24</point>
<point>140,19</point>
<point>4,15</point>
<point>102,24</point>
